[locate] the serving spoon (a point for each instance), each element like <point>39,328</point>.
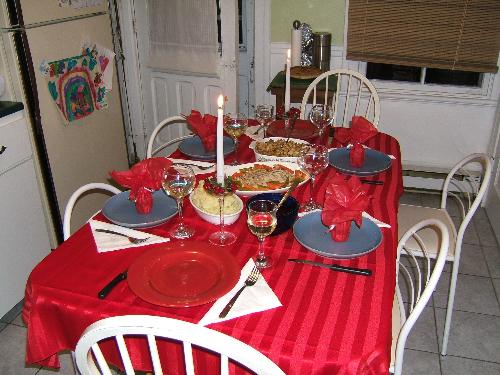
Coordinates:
<point>292,187</point>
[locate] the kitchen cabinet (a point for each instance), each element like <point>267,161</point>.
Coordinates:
<point>23,231</point>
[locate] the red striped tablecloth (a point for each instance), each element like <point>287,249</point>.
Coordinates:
<point>330,322</point>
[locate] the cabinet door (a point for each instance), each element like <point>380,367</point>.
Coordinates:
<point>23,232</point>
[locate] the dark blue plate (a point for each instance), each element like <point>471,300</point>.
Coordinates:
<point>375,162</point>
<point>193,148</point>
<point>313,235</point>
<point>287,213</point>
<point>121,211</point>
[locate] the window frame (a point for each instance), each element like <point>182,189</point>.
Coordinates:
<point>432,89</point>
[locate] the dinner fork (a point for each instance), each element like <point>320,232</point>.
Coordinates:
<point>201,167</point>
<point>250,281</point>
<point>132,240</point>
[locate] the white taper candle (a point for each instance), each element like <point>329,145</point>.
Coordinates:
<point>220,140</point>
<point>287,82</point>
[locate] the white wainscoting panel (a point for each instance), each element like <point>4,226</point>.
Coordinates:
<point>175,94</point>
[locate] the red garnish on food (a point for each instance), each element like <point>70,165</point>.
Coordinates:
<point>213,187</point>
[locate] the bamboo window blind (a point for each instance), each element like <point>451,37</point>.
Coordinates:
<point>445,34</point>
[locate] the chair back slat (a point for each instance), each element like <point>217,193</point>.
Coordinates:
<point>224,365</point>
<point>187,349</point>
<point>325,101</point>
<point>348,98</point>
<point>369,106</point>
<point>152,327</point>
<point>101,361</point>
<point>155,357</point>
<point>122,348</point>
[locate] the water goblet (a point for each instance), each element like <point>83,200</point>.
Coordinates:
<point>313,161</point>
<point>321,116</point>
<point>261,220</point>
<point>264,113</point>
<point>178,181</point>
<point>222,237</point>
<point>235,125</point>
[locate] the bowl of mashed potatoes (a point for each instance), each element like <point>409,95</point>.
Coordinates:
<point>206,206</point>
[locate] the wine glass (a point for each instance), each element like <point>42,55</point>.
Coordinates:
<point>313,161</point>
<point>321,116</point>
<point>264,113</point>
<point>261,220</point>
<point>178,181</point>
<point>235,125</point>
<point>222,237</point>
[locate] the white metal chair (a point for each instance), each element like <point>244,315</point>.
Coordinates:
<point>74,197</point>
<point>420,284</point>
<point>89,356</point>
<point>471,185</point>
<point>354,95</point>
<point>158,128</point>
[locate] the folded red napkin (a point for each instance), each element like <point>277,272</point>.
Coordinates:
<point>357,155</point>
<point>142,179</point>
<point>344,202</point>
<point>205,127</point>
<point>361,130</point>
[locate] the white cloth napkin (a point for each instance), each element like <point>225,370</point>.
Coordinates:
<point>256,298</point>
<point>111,242</point>
<point>379,223</point>
<point>195,163</point>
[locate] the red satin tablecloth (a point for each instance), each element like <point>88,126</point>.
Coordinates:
<point>330,322</point>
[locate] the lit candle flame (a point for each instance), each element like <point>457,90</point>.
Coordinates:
<point>288,53</point>
<point>220,101</point>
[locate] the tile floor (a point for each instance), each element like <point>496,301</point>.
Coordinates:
<point>474,346</point>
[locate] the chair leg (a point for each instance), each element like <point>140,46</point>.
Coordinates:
<point>449,307</point>
<point>73,358</point>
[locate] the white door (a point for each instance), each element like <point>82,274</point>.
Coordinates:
<point>155,95</point>
<point>246,61</point>
<point>492,205</point>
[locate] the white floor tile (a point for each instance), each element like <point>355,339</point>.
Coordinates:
<point>473,336</point>
<point>12,352</point>
<point>67,367</point>
<point>462,366</point>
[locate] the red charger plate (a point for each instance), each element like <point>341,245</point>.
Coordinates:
<point>183,275</point>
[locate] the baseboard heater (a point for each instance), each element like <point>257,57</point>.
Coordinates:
<point>429,179</point>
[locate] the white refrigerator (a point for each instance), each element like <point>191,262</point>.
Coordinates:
<point>82,151</point>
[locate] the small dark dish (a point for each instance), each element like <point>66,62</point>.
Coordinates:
<point>287,213</point>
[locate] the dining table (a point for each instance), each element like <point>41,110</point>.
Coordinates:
<point>329,323</point>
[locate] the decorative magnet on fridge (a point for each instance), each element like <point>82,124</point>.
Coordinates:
<point>76,86</point>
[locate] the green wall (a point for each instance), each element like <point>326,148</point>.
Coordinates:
<point>322,15</point>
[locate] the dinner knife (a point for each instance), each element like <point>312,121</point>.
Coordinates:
<point>105,291</point>
<point>334,267</point>
<point>372,182</point>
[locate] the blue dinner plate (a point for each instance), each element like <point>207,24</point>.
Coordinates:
<point>375,162</point>
<point>313,235</point>
<point>193,148</point>
<point>120,210</point>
